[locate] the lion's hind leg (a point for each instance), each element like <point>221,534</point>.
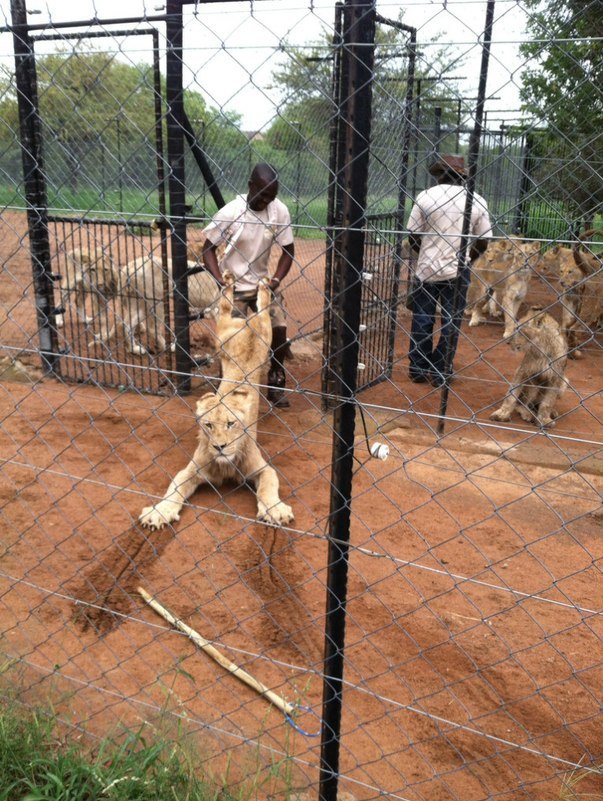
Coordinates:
<point>528,401</point>
<point>504,412</point>
<point>226,301</point>
<point>546,414</point>
<point>264,295</point>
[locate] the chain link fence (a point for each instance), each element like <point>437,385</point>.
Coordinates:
<point>428,625</point>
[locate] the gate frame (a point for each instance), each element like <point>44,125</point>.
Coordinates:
<point>338,158</point>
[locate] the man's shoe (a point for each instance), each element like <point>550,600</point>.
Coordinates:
<point>438,380</point>
<point>418,378</point>
<point>278,397</point>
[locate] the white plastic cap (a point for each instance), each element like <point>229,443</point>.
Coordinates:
<point>380,450</point>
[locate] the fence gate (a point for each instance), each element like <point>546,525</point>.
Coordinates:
<point>98,320</point>
<point>113,322</point>
<point>383,251</point>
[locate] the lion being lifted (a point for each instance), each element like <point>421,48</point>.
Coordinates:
<point>227,448</point>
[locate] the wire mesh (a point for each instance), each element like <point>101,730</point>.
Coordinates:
<point>472,629</point>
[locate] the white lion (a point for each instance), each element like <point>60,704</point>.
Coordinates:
<point>141,306</point>
<point>227,448</point>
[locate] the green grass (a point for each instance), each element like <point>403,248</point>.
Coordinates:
<point>37,765</point>
<point>45,758</point>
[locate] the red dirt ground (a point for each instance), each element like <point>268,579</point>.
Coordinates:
<point>472,665</point>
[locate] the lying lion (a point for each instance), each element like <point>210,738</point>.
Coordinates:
<point>227,448</point>
<point>88,275</point>
<point>539,379</point>
<point>141,303</point>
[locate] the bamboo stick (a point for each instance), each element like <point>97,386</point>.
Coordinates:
<point>222,660</point>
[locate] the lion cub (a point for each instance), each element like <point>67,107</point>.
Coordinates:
<point>539,379</point>
<point>227,448</point>
<point>582,290</point>
<point>500,281</point>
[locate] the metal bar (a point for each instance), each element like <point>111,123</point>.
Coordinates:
<point>177,190</point>
<point>202,162</point>
<point>35,184</point>
<point>50,37</point>
<point>406,137</point>
<point>524,187</point>
<point>333,204</point>
<point>460,286</point>
<point>357,71</point>
<point>89,23</point>
<point>161,190</point>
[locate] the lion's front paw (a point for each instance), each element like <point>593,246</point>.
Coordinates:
<point>278,514</point>
<point>545,421</point>
<point>526,414</point>
<point>500,415</point>
<point>156,517</point>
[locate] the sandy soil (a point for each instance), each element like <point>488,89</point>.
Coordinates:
<point>473,664</point>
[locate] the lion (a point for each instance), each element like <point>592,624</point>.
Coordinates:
<point>227,448</point>
<point>141,302</point>
<point>504,271</point>
<point>539,380</point>
<point>582,289</point>
<point>88,274</point>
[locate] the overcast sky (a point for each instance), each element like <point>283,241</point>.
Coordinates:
<point>232,48</point>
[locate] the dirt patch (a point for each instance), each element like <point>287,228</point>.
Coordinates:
<point>472,633</point>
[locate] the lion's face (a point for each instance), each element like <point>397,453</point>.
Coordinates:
<point>529,329</point>
<point>224,421</point>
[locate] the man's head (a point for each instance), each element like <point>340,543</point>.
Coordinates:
<point>448,168</point>
<point>263,187</point>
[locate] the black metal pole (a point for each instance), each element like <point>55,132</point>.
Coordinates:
<point>35,183</point>
<point>357,74</point>
<point>177,190</point>
<point>519,226</point>
<point>406,138</point>
<point>460,287</point>
<point>119,164</point>
<point>333,205</point>
<point>202,163</point>
<point>437,128</point>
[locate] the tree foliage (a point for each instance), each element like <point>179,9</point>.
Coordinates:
<point>98,118</point>
<point>305,82</point>
<point>563,91</point>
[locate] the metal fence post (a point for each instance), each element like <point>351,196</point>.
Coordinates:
<point>35,184</point>
<point>460,289</point>
<point>356,75</point>
<point>177,191</point>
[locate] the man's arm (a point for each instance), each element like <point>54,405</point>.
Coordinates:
<point>284,265</point>
<point>210,259</point>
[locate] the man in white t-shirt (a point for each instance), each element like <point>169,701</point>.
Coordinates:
<point>435,227</point>
<point>248,226</point>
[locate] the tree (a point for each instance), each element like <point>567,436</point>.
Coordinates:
<point>98,121</point>
<point>308,107</point>
<point>563,91</point>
